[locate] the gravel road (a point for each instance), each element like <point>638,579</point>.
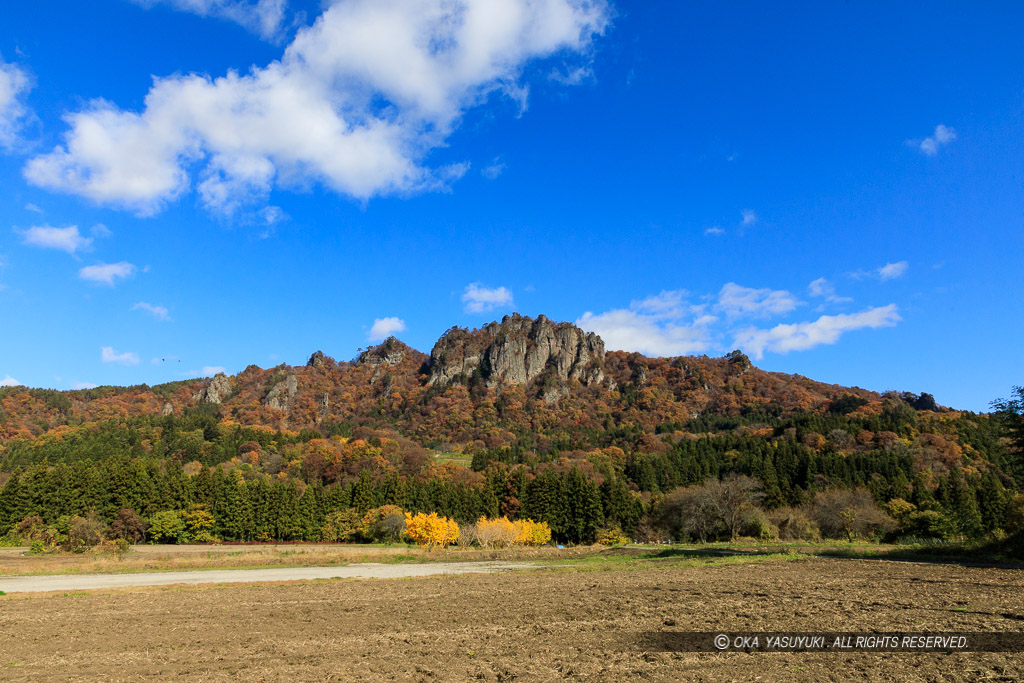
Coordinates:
<point>65,582</point>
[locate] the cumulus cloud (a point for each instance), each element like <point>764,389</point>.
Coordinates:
<point>737,301</point>
<point>891,271</point>
<point>14,86</point>
<point>942,136</point>
<point>9,381</point>
<point>109,355</point>
<point>664,324</point>
<point>107,273</point>
<point>356,103</point>
<point>158,312</point>
<point>265,18</point>
<point>63,239</point>
<point>480,299</point>
<point>383,328</point>
<point>806,335</point>
<point>632,330</point>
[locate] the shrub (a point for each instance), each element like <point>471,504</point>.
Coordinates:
<point>849,513</point>
<point>129,526</point>
<point>385,523</point>
<point>612,536</point>
<point>167,527</point>
<point>83,533</point>
<point>431,530</point>
<point>341,526</point>
<point>794,524</point>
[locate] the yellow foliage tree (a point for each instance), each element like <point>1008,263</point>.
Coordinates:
<point>431,530</point>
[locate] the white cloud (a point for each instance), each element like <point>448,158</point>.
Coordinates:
<point>749,217</point>
<point>492,171</point>
<point>211,370</point>
<point>822,288</point>
<point>9,381</point>
<point>664,324</point>
<point>158,312</point>
<point>356,103</point>
<point>806,335</point>
<point>14,86</point>
<point>714,230</point>
<point>106,273</point>
<point>84,385</point>
<point>737,301</point>
<point>891,271</point>
<point>943,136</point>
<point>109,355</point>
<point>385,327</point>
<point>99,230</point>
<point>480,299</point>
<point>633,330</point>
<point>33,208</point>
<point>265,18</point>
<point>64,239</point>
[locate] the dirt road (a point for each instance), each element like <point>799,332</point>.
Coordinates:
<point>38,584</point>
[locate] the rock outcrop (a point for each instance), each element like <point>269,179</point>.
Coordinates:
<point>388,352</point>
<point>282,395</point>
<point>215,391</point>
<point>518,350</point>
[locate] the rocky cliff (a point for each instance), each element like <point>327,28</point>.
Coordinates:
<point>518,350</point>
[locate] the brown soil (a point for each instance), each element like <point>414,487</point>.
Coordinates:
<point>543,625</point>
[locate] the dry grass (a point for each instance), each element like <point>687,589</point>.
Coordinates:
<point>15,562</point>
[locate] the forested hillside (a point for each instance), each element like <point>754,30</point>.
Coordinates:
<point>523,418</point>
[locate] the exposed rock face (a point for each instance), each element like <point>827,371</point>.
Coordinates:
<point>282,395</point>
<point>216,390</point>
<point>518,350</point>
<point>319,360</point>
<point>389,352</point>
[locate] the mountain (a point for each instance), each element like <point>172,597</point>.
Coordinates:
<point>524,417</point>
<point>485,384</point>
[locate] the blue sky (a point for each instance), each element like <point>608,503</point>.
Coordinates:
<point>188,185</point>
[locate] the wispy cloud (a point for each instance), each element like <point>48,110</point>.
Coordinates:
<point>823,289</point>
<point>891,271</point>
<point>265,18</point>
<point>930,146</point>
<point>210,370</point>
<point>109,355</point>
<point>14,86</point>
<point>480,299</point>
<point>749,217</point>
<point>63,239</point>
<point>9,381</point>
<point>107,273</point>
<point>493,170</point>
<point>383,328</point>
<point>84,385</point>
<point>806,335</point>
<point>158,312</point>
<point>715,231</point>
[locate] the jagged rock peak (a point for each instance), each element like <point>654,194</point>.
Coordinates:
<point>518,350</point>
<point>215,391</point>
<point>391,351</point>
<point>319,360</point>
